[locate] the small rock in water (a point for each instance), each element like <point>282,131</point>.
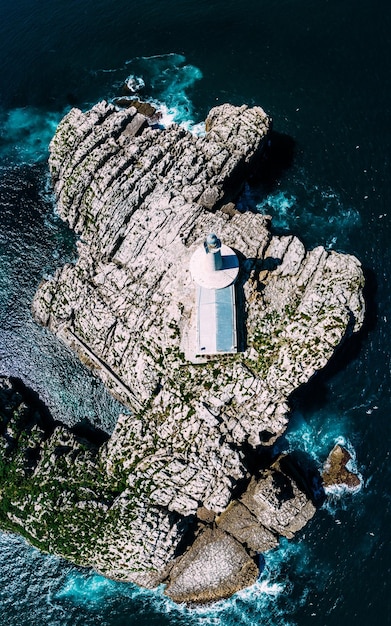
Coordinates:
<point>335,471</point>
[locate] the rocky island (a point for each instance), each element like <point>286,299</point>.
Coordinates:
<point>186,491</point>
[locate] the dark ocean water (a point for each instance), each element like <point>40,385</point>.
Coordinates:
<point>322,70</point>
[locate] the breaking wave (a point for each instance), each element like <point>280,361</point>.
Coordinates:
<point>166,81</point>
<point>315,434</point>
<point>289,575</point>
<point>163,80</point>
<point>60,594</point>
<point>269,597</point>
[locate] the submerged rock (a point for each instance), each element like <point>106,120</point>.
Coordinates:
<point>142,200</point>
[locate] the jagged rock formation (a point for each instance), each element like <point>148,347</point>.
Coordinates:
<point>336,472</point>
<point>142,199</point>
<point>215,567</point>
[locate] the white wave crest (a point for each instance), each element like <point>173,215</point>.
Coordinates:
<point>166,81</point>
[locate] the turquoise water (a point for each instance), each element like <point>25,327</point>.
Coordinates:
<point>321,70</point>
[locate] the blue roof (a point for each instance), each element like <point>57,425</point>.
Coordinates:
<point>216,320</point>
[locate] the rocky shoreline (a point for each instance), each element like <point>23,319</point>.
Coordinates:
<point>170,497</point>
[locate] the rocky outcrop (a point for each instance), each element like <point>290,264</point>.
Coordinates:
<point>142,199</point>
<point>273,505</point>
<point>336,471</point>
<point>214,568</point>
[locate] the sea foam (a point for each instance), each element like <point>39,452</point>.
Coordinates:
<point>165,80</point>
<point>25,134</point>
<point>290,570</point>
<point>267,597</point>
<point>315,434</point>
<point>317,215</point>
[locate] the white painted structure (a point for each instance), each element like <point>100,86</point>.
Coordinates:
<point>212,246</point>
<point>214,268</point>
<point>211,272</point>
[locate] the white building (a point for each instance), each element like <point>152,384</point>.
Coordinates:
<point>214,268</point>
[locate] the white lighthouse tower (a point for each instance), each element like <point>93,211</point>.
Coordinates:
<point>214,268</point>
<point>214,265</point>
<point>213,257</point>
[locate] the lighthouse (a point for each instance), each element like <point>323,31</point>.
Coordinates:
<point>214,265</point>
<point>214,268</point>
<point>213,259</point>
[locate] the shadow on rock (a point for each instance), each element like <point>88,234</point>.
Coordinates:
<point>302,468</point>
<point>21,409</point>
<point>313,395</point>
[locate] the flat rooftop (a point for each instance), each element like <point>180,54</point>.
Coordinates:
<point>216,321</point>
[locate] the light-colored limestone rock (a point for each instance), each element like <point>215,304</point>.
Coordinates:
<point>215,567</point>
<point>142,200</point>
